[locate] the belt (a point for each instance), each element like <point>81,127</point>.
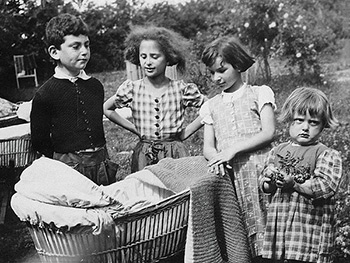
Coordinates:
<point>91,150</point>
<point>174,137</point>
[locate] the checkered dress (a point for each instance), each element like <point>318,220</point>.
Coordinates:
<point>298,227</point>
<point>237,120</point>
<point>158,118</point>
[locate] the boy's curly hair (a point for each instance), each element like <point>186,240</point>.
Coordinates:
<point>173,45</point>
<point>62,25</point>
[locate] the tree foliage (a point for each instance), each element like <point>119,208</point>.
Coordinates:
<point>298,31</point>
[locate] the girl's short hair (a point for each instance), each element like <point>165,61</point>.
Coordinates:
<point>308,100</point>
<point>173,45</point>
<point>63,25</point>
<point>230,50</point>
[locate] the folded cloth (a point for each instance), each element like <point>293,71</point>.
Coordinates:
<point>7,108</point>
<point>216,231</point>
<point>134,193</point>
<point>38,213</point>
<point>53,182</point>
<point>50,191</point>
<point>24,109</point>
<point>14,131</point>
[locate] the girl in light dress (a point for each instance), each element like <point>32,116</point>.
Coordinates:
<point>157,103</point>
<point>239,125</point>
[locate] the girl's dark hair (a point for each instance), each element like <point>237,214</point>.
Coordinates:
<point>173,45</point>
<point>62,25</point>
<point>308,100</point>
<point>229,49</point>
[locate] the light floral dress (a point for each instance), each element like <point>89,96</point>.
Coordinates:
<point>236,117</point>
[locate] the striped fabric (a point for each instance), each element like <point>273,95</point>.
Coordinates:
<point>158,118</point>
<point>301,228</point>
<point>216,230</point>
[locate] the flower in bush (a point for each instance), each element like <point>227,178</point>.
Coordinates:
<point>342,240</point>
<point>272,25</point>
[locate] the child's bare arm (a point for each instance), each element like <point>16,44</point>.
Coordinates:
<point>191,128</point>
<point>209,150</point>
<point>304,188</point>
<point>286,182</point>
<point>264,137</point>
<point>111,114</point>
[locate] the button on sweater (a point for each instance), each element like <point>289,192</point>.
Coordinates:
<point>67,116</point>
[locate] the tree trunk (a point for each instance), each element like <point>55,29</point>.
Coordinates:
<point>260,72</point>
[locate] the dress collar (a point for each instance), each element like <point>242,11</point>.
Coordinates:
<point>298,145</point>
<point>60,74</point>
<point>228,97</point>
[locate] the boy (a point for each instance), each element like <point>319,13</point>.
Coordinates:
<point>67,110</point>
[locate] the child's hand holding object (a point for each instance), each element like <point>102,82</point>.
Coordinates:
<point>284,181</point>
<point>275,177</point>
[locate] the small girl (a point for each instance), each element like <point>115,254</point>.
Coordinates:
<point>302,177</point>
<point>157,102</point>
<point>239,125</point>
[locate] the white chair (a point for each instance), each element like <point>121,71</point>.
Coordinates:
<point>25,67</point>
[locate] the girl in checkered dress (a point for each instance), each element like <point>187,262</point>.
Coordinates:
<point>239,125</point>
<point>157,103</point>
<point>302,176</point>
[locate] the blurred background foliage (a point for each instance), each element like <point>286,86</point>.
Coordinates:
<point>296,31</point>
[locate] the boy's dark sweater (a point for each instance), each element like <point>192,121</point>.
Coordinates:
<point>67,117</point>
